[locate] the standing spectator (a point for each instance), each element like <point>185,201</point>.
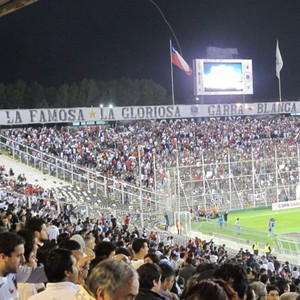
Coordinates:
<point>167,282</point>
<point>283,286</point>
<point>260,290</point>
<point>188,269</point>
<point>11,256</point>
<point>52,230</point>
<point>210,289</point>
<point>140,248</point>
<point>272,292</point>
<point>289,296</point>
<point>295,273</point>
<point>111,279</point>
<point>62,274</point>
<point>107,249</point>
<point>39,228</point>
<point>235,275</point>
<point>89,245</point>
<point>150,282</point>
<point>28,289</point>
<point>126,222</point>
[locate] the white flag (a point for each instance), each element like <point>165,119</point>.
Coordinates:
<point>279,62</point>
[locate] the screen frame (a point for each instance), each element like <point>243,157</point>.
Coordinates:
<point>200,80</point>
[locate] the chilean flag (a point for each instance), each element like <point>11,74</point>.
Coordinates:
<point>178,61</point>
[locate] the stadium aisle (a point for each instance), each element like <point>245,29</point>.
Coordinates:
<point>33,175</point>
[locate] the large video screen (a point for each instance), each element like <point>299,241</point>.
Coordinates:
<point>223,76</point>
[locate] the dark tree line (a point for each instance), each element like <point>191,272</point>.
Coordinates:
<point>88,92</point>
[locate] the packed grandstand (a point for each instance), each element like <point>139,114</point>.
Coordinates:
<point>125,179</point>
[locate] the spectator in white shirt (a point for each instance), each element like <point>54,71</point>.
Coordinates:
<point>62,274</point>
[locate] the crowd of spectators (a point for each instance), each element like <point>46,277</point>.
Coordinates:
<point>50,256</point>
<point>247,143</point>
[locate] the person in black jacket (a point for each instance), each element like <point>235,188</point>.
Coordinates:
<point>150,282</point>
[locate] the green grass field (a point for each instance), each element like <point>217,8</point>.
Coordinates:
<point>254,225</point>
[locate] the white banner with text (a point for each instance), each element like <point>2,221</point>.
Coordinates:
<point>285,205</point>
<point>129,113</point>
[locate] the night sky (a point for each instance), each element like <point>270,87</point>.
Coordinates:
<point>62,41</point>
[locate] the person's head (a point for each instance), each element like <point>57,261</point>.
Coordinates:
<point>106,249</point>
<point>264,278</point>
<point>84,232</point>
<point>251,274</point>
<point>259,289</point>
<point>210,289</point>
<point>90,242</point>
<point>283,286</point>
<point>60,266</point>
<point>289,296</point>
<point>234,274</point>
<point>167,277</point>
<point>11,252</point>
<point>140,247</point>
<point>38,227</point>
<point>113,279</point>
<point>64,236</point>
<point>151,258</point>
<point>74,247</point>
<point>150,277</point>
<point>272,292</point>
<point>79,239</point>
<point>30,246</point>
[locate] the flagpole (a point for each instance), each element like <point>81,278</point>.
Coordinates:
<point>279,87</point>
<point>279,65</point>
<point>172,79</point>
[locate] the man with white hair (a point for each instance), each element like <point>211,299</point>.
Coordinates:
<point>111,279</point>
<point>289,296</point>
